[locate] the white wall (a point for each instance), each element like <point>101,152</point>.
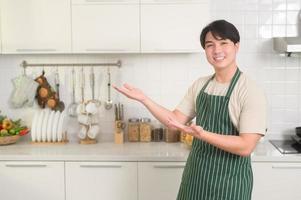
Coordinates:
<point>165,77</point>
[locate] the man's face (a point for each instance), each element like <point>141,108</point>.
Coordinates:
<point>220,53</point>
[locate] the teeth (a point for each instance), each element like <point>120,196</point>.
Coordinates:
<point>219,58</point>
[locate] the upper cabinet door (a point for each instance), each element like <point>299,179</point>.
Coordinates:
<point>35,26</point>
<point>104,27</point>
<point>172,26</point>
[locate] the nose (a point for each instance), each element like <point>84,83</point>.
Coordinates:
<point>217,49</point>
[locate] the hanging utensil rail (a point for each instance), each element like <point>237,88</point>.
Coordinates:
<point>24,64</point>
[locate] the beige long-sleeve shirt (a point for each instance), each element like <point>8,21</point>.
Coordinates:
<point>247,105</point>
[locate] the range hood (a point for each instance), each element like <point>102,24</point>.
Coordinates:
<point>287,45</point>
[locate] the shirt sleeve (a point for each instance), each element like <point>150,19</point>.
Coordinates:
<point>253,116</point>
<point>187,104</point>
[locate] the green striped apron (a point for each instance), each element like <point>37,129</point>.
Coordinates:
<point>211,173</point>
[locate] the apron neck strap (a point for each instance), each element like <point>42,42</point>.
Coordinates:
<point>233,82</point>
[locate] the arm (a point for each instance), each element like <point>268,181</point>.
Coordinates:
<point>158,111</point>
<point>242,145</point>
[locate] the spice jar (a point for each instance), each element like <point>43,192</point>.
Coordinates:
<point>157,132</point>
<point>145,130</point>
<point>171,135</point>
<point>133,130</point>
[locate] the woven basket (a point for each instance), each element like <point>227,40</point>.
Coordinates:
<point>9,139</point>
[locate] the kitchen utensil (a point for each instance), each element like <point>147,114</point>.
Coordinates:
<point>81,108</point>
<point>61,105</point>
<point>73,105</point>
<point>109,103</point>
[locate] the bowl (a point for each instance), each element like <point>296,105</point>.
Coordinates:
<point>5,140</point>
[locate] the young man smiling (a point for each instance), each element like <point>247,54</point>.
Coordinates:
<point>230,113</point>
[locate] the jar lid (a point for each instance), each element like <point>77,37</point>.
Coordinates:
<point>133,120</point>
<point>145,119</point>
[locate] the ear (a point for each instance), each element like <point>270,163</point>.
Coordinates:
<point>237,45</point>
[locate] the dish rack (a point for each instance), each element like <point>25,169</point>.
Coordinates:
<point>49,127</point>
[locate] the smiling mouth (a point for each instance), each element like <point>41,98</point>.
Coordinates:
<point>219,58</point>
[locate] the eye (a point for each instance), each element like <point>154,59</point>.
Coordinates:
<point>208,45</point>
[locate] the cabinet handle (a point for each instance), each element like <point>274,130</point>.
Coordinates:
<point>286,167</point>
<point>101,166</point>
<point>169,166</point>
<point>34,50</point>
<point>25,165</point>
<point>105,50</point>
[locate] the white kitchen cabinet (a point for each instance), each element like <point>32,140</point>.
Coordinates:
<point>159,180</point>
<point>276,180</point>
<point>172,25</point>
<point>101,180</point>
<point>23,180</point>
<point>36,26</point>
<point>103,26</point>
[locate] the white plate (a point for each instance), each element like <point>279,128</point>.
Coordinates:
<point>39,126</point>
<point>33,126</point>
<point>55,125</point>
<point>61,126</point>
<point>49,126</point>
<point>44,125</point>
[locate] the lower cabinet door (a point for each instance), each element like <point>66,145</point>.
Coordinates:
<point>101,180</point>
<point>159,180</point>
<point>23,180</point>
<point>276,181</point>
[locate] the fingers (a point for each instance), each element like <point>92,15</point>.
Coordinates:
<point>128,86</point>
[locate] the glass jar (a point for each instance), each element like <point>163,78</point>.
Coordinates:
<point>157,132</point>
<point>145,130</point>
<point>133,130</point>
<point>171,135</point>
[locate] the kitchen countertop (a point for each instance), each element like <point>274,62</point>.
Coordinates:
<point>108,151</point>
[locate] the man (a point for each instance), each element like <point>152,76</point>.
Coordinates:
<point>230,113</point>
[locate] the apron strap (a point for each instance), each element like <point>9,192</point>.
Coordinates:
<point>233,83</point>
<point>204,87</point>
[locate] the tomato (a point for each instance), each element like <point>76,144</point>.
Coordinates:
<point>24,132</point>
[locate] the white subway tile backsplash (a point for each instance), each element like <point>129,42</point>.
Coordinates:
<point>279,17</point>
<point>279,5</point>
<point>166,77</point>
<point>265,17</point>
<point>293,4</point>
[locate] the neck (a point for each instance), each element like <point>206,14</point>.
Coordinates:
<point>225,75</point>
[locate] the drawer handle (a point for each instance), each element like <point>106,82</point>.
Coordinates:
<point>26,165</point>
<point>285,167</point>
<point>101,166</point>
<point>34,50</point>
<point>169,166</point>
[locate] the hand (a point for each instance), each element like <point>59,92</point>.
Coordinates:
<point>193,129</point>
<point>131,92</point>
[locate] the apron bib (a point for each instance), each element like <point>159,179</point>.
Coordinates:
<point>211,173</point>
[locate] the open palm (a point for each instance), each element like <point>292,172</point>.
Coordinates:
<point>131,92</point>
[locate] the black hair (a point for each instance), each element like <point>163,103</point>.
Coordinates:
<point>221,30</point>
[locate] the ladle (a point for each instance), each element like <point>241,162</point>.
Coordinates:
<point>73,105</point>
<point>61,105</point>
<point>109,102</point>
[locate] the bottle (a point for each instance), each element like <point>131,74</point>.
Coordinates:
<point>145,130</point>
